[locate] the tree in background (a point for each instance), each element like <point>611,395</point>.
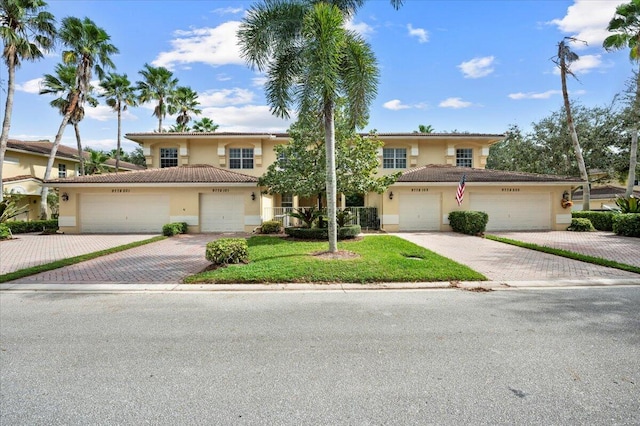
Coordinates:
<point>626,26</point>
<point>564,59</point>
<point>184,102</point>
<point>119,96</point>
<point>300,168</point>
<point>27,31</point>
<point>311,60</point>
<point>547,148</point>
<point>425,129</point>
<point>157,85</point>
<point>96,162</point>
<point>63,85</point>
<point>204,125</point>
<point>88,49</point>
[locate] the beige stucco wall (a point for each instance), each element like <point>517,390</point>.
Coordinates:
<point>184,204</point>
<point>18,164</point>
<point>560,218</point>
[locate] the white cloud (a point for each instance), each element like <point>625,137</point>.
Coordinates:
<point>395,105</point>
<point>227,10</point>
<point>250,118</point>
<point>213,46</point>
<point>105,144</point>
<point>220,98</point>
<point>31,86</point>
<point>584,65</point>
<point>259,81</point>
<point>587,20</point>
<point>542,95</point>
<point>361,28</point>
<point>106,113</point>
<point>477,67</point>
<point>420,33</point>
<point>455,103</point>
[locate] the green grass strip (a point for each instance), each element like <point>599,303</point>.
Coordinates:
<point>566,253</point>
<point>73,260</point>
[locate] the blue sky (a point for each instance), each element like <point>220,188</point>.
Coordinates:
<point>476,66</point>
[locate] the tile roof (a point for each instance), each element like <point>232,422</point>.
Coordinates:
<point>446,173</point>
<point>603,192</point>
<point>286,135</point>
<point>44,148</point>
<point>19,178</point>
<point>196,173</point>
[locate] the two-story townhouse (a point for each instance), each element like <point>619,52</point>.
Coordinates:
<point>209,181</point>
<point>25,163</point>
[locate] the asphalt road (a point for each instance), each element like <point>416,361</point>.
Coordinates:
<point>553,357</point>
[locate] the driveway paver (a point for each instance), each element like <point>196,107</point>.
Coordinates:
<point>504,262</point>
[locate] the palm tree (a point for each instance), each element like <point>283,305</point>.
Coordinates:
<point>311,60</point>
<point>27,31</point>
<point>183,101</point>
<point>204,125</point>
<point>89,50</point>
<point>158,85</point>
<point>96,163</point>
<point>119,96</point>
<point>178,128</point>
<point>564,59</point>
<point>626,26</point>
<point>62,84</point>
<point>425,129</point>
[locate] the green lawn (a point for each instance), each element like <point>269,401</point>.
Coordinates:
<point>382,258</point>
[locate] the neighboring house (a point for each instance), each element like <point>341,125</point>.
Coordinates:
<point>602,197</point>
<point>209,181</point>
<point>25,164</point>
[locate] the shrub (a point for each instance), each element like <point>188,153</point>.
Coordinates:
<point>5,233</point>
<point>21,227</point>
<point>628,204</point>
<point>175,228</point>
<point>270,227</point>
<point>468,222</point>
<point>308,215</point>
<point>227,250</point>
<point>344,216</point>
<point>627,224</point>
<point>602,221</point>
<point>581,224</point>
<point>345,232</point>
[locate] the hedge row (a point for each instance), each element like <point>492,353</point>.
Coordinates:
<point>175,228</point>
<point>627,224</point>
<point>468,222</point>
<point>344,232</point>
<point>602,221</point>
<point>22,227</point>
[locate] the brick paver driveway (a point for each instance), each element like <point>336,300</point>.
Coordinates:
<point>163,262</point>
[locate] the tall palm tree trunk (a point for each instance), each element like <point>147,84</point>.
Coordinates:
<point>330,146</point>
<point>76,128</point>
<point>160,105</point>
<point>633,149</point>
<point>6,124</point>
<point>52,159</point>
<point>119,135</point>
<point>586,190</point>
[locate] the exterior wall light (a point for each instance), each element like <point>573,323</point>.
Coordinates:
<point>253,196</point>
<point>391,195</point>
<point>65,196</point>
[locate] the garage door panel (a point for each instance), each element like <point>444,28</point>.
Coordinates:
<point>419,212</point>
<point>119,213</point>
<point>514,212</point>
<point>221,212</point>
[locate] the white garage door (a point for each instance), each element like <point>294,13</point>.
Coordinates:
<point>118,213</point>
<point>419,211</point>
<point>221,212</point>
<point>514,212</point>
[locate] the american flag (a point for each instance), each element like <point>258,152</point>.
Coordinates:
<point>460,191</point>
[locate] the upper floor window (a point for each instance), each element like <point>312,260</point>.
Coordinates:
<point>464,157</point>
<point>168,157</point>
<point>394,158</point>
<point>62,170</point>
<point>241,158</point>
<point>287,200</point>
